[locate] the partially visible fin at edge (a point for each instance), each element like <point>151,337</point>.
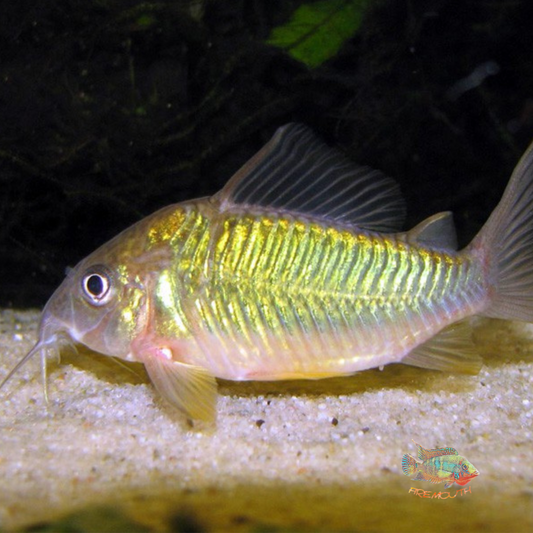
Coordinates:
<point>437,231</point>
<point>451,350</point>
<point>297,172</point>
<point>505,244</point>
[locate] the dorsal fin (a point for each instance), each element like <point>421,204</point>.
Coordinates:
<point>424,455</point>
<point>296,172</point>
<point>437,231</point>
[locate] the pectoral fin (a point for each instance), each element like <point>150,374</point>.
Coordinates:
<point>192,389</point>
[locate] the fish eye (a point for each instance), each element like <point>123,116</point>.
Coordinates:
<point>96,285</point>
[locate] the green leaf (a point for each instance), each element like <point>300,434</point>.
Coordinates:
<point>317,30</point>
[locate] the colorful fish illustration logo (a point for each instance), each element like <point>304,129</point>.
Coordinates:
<point>438,466</point>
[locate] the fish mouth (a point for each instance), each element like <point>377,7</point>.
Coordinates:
<point>465,479</point>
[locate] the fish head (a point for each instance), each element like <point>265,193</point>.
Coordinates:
<point>102,303</point>
<point>97,306</point>
<point>466,473</point>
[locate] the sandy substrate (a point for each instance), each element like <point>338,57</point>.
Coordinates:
<point>322,455</point>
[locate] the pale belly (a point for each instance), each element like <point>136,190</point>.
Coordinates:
<point>307,355</point>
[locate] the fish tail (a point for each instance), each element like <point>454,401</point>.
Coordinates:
<point>409,465</point>
<point>505,244</point>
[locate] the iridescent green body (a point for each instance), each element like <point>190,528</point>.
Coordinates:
<point>444,467</point>
<point>258,295</point>
<point>297,268</point>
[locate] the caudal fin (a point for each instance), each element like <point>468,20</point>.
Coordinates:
<point>409,465</point>
<point>506,243</point>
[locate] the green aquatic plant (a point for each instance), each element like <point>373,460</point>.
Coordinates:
<point>318,30</point>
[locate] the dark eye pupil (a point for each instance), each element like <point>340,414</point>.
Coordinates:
<point>95,285</point>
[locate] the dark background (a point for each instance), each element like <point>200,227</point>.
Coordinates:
<point>112,109</point>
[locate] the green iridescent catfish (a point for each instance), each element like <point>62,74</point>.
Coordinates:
<point>295,270</point>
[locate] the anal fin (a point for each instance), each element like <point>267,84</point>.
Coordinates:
<point>450,350</point>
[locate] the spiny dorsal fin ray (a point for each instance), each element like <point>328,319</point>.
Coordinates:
<point>424,455</point>
<point>451,350</point>
<point>296,172</point>
<point>437,231</point>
